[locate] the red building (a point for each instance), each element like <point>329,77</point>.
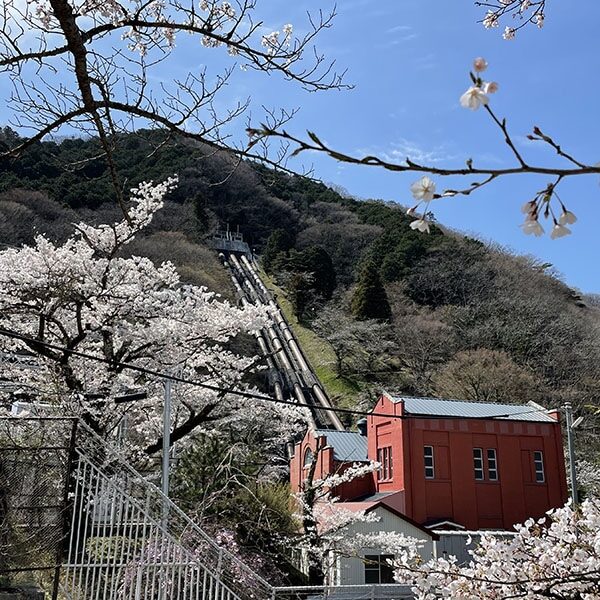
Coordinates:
<point>336,451</point>
<point>478,465</point>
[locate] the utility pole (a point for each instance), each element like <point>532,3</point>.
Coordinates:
<point>166,449</point>
<point>571,451</point>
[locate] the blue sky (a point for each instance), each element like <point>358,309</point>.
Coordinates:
<point>409,62</point>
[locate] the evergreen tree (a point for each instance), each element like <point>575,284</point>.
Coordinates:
<point>278,243</point>
<point>314,261</point>
<point>370,299</point>
<point>319,263</point>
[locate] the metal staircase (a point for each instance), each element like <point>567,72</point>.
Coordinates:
<point>114,535</point>
<point>76,516</point>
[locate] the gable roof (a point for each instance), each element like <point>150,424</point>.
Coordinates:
<point>348,446</point>
<point>368,507</point>
<point>436,407</point>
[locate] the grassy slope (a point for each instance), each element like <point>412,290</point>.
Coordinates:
<point>318,352</point>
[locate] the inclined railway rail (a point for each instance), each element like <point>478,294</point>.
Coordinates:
<point>289,371</point>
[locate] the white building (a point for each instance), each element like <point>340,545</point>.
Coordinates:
<point>372,565</point>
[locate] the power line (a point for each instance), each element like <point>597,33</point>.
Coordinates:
<point>178,379</point>
<point>227,390</point>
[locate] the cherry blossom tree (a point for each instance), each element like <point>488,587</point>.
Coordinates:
<point>87,296</point>
<point>555,557</point>
<point>522,13</point>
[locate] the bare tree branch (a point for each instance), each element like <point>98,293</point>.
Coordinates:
<point>54,53</point>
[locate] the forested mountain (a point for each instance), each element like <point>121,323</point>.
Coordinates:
<point>438,314</point>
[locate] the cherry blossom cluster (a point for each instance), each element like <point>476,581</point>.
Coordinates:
<point>356,471</point>
<point>272,42</point>
<point>423,191</point>
<point>523,12</point>
<point>220,18</point>
<point>328,524</point>
<point>477,94</point>
<point>542,206</point>
<point>339,538</point>
<point>557,556</point>
<point>588,477</point>
<point>546,203</point>
<point>88,295</point>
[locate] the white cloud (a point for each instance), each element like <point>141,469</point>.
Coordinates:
<point>399,28</point>
<point>402,149</point>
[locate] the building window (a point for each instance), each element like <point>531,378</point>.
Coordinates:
<point>384,458</point>
<point>429,464</point>
<point>492,466</point>
<point>479,466</point>
<point>378,568</point>
<point>308,458</point>
<point>538,463</point>
<point>478,463</point>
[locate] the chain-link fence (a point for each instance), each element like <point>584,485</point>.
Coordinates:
<point>35,454</point>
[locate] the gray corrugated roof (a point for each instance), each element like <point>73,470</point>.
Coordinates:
<point>482,410</point>
<point>348,446</point>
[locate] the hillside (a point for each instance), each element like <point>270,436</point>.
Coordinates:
<point>463,319</point>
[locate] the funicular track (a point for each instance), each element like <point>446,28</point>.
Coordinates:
<point>290,374</point>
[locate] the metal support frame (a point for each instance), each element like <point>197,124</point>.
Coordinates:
<point>71,458</point>
<point>571,452</point>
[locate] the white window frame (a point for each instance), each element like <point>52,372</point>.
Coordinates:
<point>538,466</point>
<point>384,458</point>
<point>429,469</point>
<point>308,454</point>
<point>492,458</point>
<point>478,471</point>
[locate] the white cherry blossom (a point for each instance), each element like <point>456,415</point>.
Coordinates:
<point>473,98</point>
<point>421,225</point>
<point>559,231</point>
<point>509,33</point>
<point>423,189</point>
<point>490,20</point>
<point>567,218</point>
<point>490,87</point>
<point>480,64</point>
<point>557,556</point>
<point>532,227</point>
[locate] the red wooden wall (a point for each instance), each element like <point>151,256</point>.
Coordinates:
<point>454,494</point>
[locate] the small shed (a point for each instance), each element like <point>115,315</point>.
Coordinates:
<point>371,565</point>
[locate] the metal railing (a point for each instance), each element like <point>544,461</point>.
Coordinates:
<point>108,533</point>
<point>99,530</point>
<point>128,541</point>
<point>379,591</point>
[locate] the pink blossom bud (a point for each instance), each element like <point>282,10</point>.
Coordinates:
<point>491,87</point>
<point>480,64</point>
